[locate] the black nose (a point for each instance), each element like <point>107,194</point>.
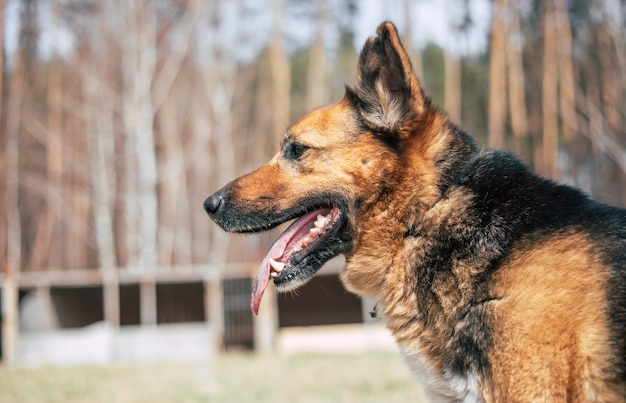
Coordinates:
<point>213,203</point>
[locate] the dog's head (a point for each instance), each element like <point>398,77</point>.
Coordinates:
<point>338,168</point>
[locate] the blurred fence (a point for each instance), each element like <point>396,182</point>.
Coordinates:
<point>177,313</point>
<point>202,305</point>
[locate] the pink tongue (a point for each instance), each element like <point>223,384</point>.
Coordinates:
<point>276,252</point>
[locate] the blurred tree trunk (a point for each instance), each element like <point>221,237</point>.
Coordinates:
<point>49,225</point>
<point>174,240</point>
<point>42,256</point>
<point>567,82</point>
<point>618,35</point>
<point>497,76</point>
<point>129,177</point>
<point>611,82</point>
<point>139,60</point>
<point>12,172</point>
<point>317,85</point>
<point>281,73</point>
<point>452,86</point>
<point>517,86</point>
<point>202,181</point>
<point>549,99</point>
<point>100,131</point>
<point>452,74</point>
<point>99,120</point>
<point>77,216</point>
<point>169,185</point>
<point>416,56</point>
<point>174,226</point>
<point>13,218</point>
<point>613,102</point>
<point>567,86</point>
<point>592,101</point>
<point>219,83</point>
<point>201,176</point>
<point>590,104</point>
<point>3,208</point>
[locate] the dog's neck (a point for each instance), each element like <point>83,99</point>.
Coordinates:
<point>432,164</point>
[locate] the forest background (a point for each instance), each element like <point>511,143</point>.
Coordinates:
<point>119,117</point>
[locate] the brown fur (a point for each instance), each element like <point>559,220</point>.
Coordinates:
<point>561,321</point>
<point>498,285</point>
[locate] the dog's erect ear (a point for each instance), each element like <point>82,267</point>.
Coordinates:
<point>387,93</point>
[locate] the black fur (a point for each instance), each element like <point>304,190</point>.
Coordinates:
<point>511,207</point>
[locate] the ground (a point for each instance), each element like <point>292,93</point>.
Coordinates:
<point>233,377</point>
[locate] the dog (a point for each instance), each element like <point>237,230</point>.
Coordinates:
<point>497,284</point>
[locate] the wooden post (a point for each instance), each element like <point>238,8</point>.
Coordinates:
<point>266,324</point>
<point>213,308</point>
<point>111,299</point>
<point>147,301</point>
<point>10,334</point>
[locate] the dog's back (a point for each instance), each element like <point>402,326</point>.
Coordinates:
<point>526,280</point>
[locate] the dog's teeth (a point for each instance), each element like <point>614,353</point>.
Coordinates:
<point>277,266</point>
<point>314,231</point>
<point>321,221</point>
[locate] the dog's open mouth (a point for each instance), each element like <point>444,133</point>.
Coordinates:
<point>303,237</point>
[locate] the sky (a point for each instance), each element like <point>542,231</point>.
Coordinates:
<point>432,21</point>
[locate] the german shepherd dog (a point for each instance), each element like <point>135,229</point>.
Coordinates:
<point>497,284</point>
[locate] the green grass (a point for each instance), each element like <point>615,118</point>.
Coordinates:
<point>372,377</point>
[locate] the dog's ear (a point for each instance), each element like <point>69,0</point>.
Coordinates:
<point>387,93</point>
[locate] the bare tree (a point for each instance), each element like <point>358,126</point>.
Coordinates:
<point>42,255</point>
<point>516,83</point>
<point>612,91</point>
<point>317,86</point>
<point>452,71</point>
<point>549,95</point>
<point>497,76</point>
<point>174,201</point>
<point>452,86</point>
<point>174,215</point>
<point>611,58</point>
<point>567,83</point>
<point>281,73</point>
<point>13,218</point>
<point>3,233</point>
<point>139,61</point>
<point>99,118</point>
<point>201,177</point>
<point>219,80</point>
<point>416,57</point>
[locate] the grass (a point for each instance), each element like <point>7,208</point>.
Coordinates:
<point>232,377</point>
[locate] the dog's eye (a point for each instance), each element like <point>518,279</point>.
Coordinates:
<point>293,151</point>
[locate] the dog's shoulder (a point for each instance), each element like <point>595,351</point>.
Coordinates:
<point>506,188</point>
<point>534,213</point>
